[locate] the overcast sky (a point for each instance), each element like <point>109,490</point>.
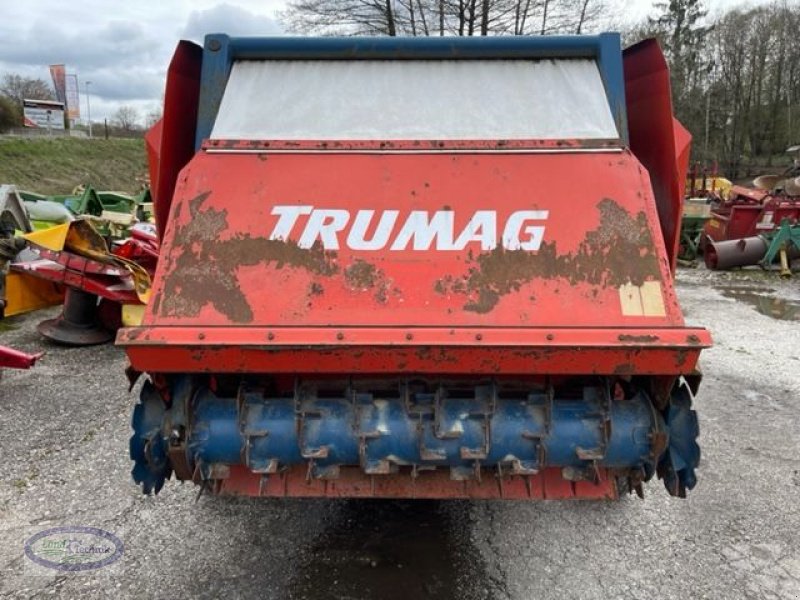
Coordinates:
<point>123,48</point>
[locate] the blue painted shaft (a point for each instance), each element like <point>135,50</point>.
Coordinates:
<point>374,432</point>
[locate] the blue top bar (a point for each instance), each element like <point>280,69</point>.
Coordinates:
<point>220,51</point>
<point>416,48</point>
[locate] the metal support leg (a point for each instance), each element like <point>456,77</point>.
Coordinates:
<point>78,324</point>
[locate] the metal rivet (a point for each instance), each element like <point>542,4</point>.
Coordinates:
<point>478,336</point>
<point>409,336</point>
<point>270,336</point>
<point>201,336</point>
<point>340,336</point>
<point>214,45</point>
<point>550,337</point>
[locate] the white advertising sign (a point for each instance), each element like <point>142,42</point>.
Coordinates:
<point>43,114</point>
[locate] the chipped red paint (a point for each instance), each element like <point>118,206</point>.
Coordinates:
<point>275,285</point>
<point>228,298</point>
<point>353,483</point>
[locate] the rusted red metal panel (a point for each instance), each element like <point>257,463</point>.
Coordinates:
<point>175,131</point>
<point>279,249</point>
<point>353,483</point>
<point>222,268</point>
<point>653,133</point>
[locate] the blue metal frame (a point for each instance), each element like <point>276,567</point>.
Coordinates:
<point>220,50</point>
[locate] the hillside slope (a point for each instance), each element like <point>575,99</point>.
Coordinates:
<point>57,165</point>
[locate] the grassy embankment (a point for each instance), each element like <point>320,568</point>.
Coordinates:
<point>57,165</point>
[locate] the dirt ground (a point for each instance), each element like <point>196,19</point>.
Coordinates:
<point>64,429</point>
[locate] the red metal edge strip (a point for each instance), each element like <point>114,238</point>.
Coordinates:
<point>353,483</point>
<point>408,145</point>
<point>569,352</point>
<point>526,337</point>
<point>436,360</point>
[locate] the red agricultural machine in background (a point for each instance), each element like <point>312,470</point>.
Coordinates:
<point>754,226</point>
<point>429,267</point>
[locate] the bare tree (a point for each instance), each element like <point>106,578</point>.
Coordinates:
<point>440,17</point>
<point>588,12</point>
<point>344,17</point>
<point>126,118</point>
<point>18,88</point>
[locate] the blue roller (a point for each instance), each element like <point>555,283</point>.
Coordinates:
<point>460,429</point>
<point>380,433</point>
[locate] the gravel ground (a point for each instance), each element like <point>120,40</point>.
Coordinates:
<point>63,443</point>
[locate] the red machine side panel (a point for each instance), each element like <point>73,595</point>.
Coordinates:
<point>176,129</point>
<point>654,140</point>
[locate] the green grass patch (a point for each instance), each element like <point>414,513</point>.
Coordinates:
<point>58,165</point>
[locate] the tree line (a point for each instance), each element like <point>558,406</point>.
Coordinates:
<point>441,17</point>
<point>735,80</point>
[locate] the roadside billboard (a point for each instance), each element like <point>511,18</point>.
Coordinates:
<point>72,98</point>
<point>59,75</point>
<point>43,114</point>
